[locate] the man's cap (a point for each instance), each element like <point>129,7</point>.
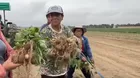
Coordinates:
<point>57,9</point>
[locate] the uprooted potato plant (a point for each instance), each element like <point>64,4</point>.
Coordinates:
<point>29,43</point>
<point>63,47</point>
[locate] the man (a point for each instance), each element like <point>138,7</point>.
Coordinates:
<point>86,51</point>
<point>54,29</point>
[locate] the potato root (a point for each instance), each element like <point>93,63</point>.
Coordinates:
<point>63,47</point>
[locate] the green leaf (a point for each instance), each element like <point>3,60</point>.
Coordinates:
<point>37,35</point>
<point>42,43</point>
<point>18,36</point>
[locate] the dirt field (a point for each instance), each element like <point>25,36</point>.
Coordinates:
<point>116,55</point>
<point>129,27</point>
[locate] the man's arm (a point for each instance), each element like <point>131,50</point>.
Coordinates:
<point>89,53</point>
<point>9,48</point>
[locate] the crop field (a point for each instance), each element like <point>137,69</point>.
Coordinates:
<point>117,55</point>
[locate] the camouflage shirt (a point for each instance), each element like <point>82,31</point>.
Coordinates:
<point>60,69</point>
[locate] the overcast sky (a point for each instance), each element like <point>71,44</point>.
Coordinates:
<point>77,12</point>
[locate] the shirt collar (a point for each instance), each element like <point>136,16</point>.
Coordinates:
<point>55,30</point>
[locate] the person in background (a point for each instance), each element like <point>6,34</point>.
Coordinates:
<point>85,50</point>
<point>46,24</point>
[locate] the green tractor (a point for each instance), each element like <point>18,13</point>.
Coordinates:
<point>9,29</point>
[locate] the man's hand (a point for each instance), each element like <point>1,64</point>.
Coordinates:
<point>9,65</point>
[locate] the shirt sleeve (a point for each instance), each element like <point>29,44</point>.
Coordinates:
<point>69,32</point>
<point>2,72</point>
<point>89,53</point>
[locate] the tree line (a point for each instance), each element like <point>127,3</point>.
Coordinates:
<point>109,25</point>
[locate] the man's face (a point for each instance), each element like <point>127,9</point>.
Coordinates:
<point>78,32</point>
<point>55,18</point>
